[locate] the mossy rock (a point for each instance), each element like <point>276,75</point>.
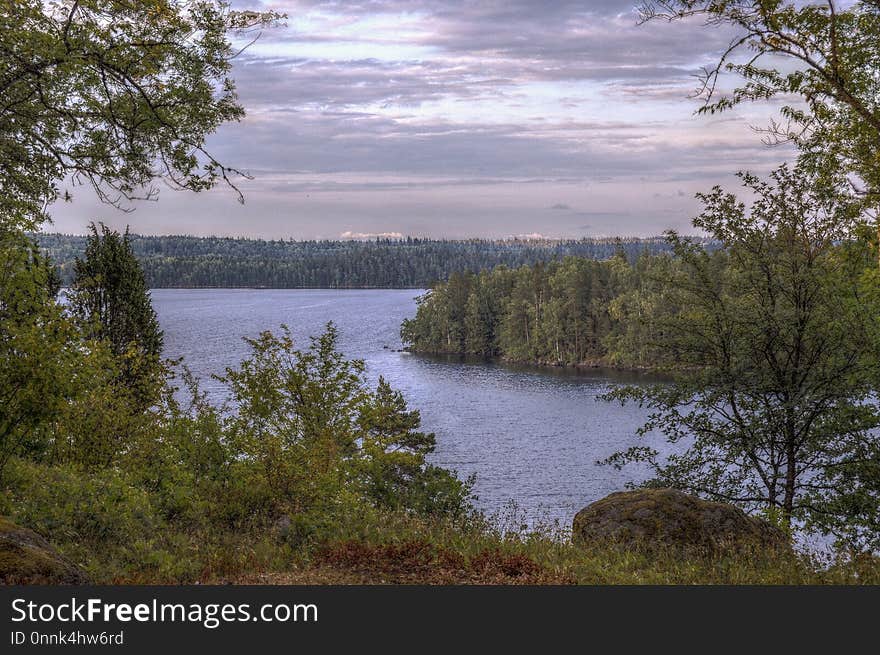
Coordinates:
<point>670,521</point>
<point>27,558</point>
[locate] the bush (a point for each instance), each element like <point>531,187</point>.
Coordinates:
<point>97,520</point>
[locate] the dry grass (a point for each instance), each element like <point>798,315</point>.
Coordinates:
<point>512,560</point>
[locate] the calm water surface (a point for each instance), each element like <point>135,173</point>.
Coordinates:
<point>531,436</point>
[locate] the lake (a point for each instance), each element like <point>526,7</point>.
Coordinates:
<point>531,436</point>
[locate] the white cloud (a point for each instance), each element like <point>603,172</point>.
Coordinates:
<point>348,234</point>
<point>531,236</point>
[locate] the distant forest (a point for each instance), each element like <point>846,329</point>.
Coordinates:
<point>205,262</point>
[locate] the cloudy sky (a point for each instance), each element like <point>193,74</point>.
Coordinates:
<point>462,118</point>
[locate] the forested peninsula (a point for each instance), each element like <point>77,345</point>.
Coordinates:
<point>569,312</point>
<point>218,262</point>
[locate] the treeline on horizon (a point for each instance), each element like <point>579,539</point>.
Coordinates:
<point>575,311</point>
<point>225,262</point>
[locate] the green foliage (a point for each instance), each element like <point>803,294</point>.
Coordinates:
<point>107,524</point>
<point>293,418</point>
<point>101,416</point>
<point>63,399</point>
<point>37,363</point>
<point>314,435</point>
<point>573,311</point>
<point>393,453</point>
<point>775,340</point>
<point>110,295</point>
<point>110,298</point>
<point>23,374</point>
<point>99,519</point>
<point>304,453</point>
<point>95,510</point>
<point>833,53</point>
<point>394,449</point>
<point>181,261</point>
<point>114,95</point>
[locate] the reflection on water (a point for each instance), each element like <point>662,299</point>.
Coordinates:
<point>531,435</point>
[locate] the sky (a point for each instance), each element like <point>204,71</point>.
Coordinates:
<point>448,118</point>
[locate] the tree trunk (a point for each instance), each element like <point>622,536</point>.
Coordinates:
<point>790,472</point>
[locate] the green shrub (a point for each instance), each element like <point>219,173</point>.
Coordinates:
<point>97,519</point>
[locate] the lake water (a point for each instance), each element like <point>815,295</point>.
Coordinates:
<point>531,436</point>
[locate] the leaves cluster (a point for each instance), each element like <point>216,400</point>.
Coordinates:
<point>114,95</point>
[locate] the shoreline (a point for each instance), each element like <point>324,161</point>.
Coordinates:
<point>262,288</point>
<point>585,366</point>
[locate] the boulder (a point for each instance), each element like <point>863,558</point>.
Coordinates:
<point>27,558</point>
<point>670,520</point>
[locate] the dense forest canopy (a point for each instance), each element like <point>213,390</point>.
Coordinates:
<point>568,312</point>
<point>185,261</point>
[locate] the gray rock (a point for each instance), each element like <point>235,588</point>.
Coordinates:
<point>670,520</point>
<point>27,558</point>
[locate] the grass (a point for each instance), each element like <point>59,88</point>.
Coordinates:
<point>409,551</point>
<point>116,535</point>
<point>412,551</point>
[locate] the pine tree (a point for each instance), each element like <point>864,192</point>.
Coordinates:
<point>110,296</point>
